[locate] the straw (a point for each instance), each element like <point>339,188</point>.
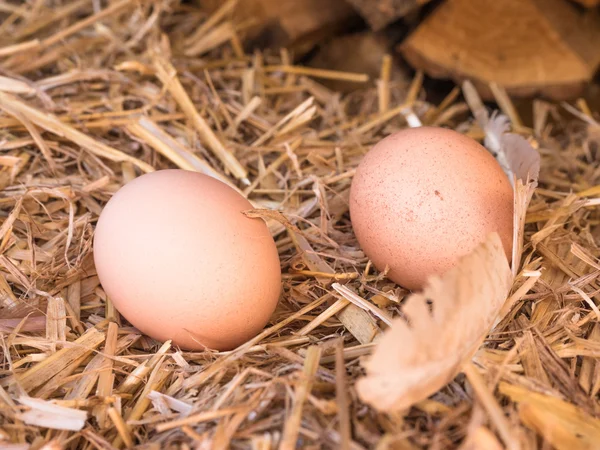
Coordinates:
<point>94,94</point>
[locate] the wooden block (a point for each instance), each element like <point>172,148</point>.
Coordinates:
<point>379,13</point>
<point>526,46</point>
<point>358,53</point>
<point>588,3</point>
<point>282,23</point>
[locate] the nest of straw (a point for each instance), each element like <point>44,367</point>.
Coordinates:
<point>94,95</point>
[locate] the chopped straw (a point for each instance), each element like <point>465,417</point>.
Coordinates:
<point>94,93</point>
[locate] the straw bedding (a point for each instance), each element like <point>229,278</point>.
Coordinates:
<point>93,95</point>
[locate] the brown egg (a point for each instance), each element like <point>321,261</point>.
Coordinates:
<point>423,197</point>
<point>180,261</point>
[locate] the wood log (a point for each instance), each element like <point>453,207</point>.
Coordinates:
<point>358,53</point>
<point>588,3</point>
<point>526,46</point>
<point>379,13</point>
<point>286,23</point>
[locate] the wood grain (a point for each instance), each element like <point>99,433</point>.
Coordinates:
<point>281,23</point>
<point>526,46</point>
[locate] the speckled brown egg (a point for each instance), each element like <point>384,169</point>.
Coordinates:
<point>423,197</point>
<point>179,260</point>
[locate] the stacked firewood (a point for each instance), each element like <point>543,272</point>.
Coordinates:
<point>529,47</point>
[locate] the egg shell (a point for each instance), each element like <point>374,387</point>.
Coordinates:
<point>180,260</point>
<point>423,197</point>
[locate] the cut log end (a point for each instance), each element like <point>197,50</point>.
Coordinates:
<point>527,46</point>
<point>286,23</point>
